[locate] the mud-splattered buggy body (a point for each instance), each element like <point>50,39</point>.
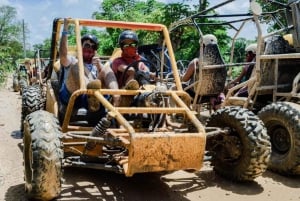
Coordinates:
<point>149,141</point>
<point>159,133</point>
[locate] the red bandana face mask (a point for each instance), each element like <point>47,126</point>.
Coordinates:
<point>130,51</point>
<point>130,55</point>
<point>88,54</point>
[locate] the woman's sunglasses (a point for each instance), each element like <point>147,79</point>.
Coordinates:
<point>130,45</point>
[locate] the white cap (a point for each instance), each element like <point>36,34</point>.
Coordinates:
<point>251,48</point>
<point>209,39</point>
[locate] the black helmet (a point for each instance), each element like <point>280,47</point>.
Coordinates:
<point>128,34</point>
<point>91,38</point>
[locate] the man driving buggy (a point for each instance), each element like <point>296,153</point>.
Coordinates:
<point>130,70</point>
<point>129,59</point>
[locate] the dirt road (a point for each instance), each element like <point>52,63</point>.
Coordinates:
<point>84,184</point>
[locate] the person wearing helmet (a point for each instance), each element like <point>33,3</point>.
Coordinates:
<point>188,75</point>
<point>96,74</point>
<point>128,42</point>
<point>89,48</point>
<point>246,72</point>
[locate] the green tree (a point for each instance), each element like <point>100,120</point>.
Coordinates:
<point>10,37</point>
<point>10,29</point>
<point>185,40</point>
<point>137,11</point>
<point>186,36</point>
<point>280,16</point>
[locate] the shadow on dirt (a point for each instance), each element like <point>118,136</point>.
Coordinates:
<point>16,193</point>
<point>290,181</point>
<point>85,184</point>
<point>208,178</point>
<point>16,134</point>
<point>21,146</point>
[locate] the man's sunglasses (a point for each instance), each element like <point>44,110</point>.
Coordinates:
<point>89,46</point>
<point>130,45</point>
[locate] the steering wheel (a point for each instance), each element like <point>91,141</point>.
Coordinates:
<point>141,76</point>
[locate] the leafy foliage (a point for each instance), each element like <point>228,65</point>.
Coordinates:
<point>269,6</point>
<point>185,40</point>
<point>10,47</point>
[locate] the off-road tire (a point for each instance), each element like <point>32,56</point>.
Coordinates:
<point>248,135</point>
<point>43,156</point>
<point>43,89</point>
<point>32,100</point>
<point>23,84</point>
<point>16,86</point>
<point>282,122</point>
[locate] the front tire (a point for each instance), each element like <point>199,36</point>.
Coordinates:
<point>283,126</point>
<point>243,153</point>
<point>43,156</point>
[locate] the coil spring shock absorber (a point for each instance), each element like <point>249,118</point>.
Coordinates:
<point>98,131</point>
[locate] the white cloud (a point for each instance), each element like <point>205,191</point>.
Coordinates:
<point>232,7</point>
<point>4,2</point>
<point>238,7</point>
<point>70,2</point>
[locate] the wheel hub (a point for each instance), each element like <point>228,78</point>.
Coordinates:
<point>280,140</point>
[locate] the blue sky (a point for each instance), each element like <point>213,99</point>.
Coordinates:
<point>39,14</point>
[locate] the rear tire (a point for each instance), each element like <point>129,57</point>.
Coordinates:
<point>283,127</point>
<point>32,100</point>
<point>16,86</point>
<point>242,154</point>
<point>23,83</point>
<point>43,156</point>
